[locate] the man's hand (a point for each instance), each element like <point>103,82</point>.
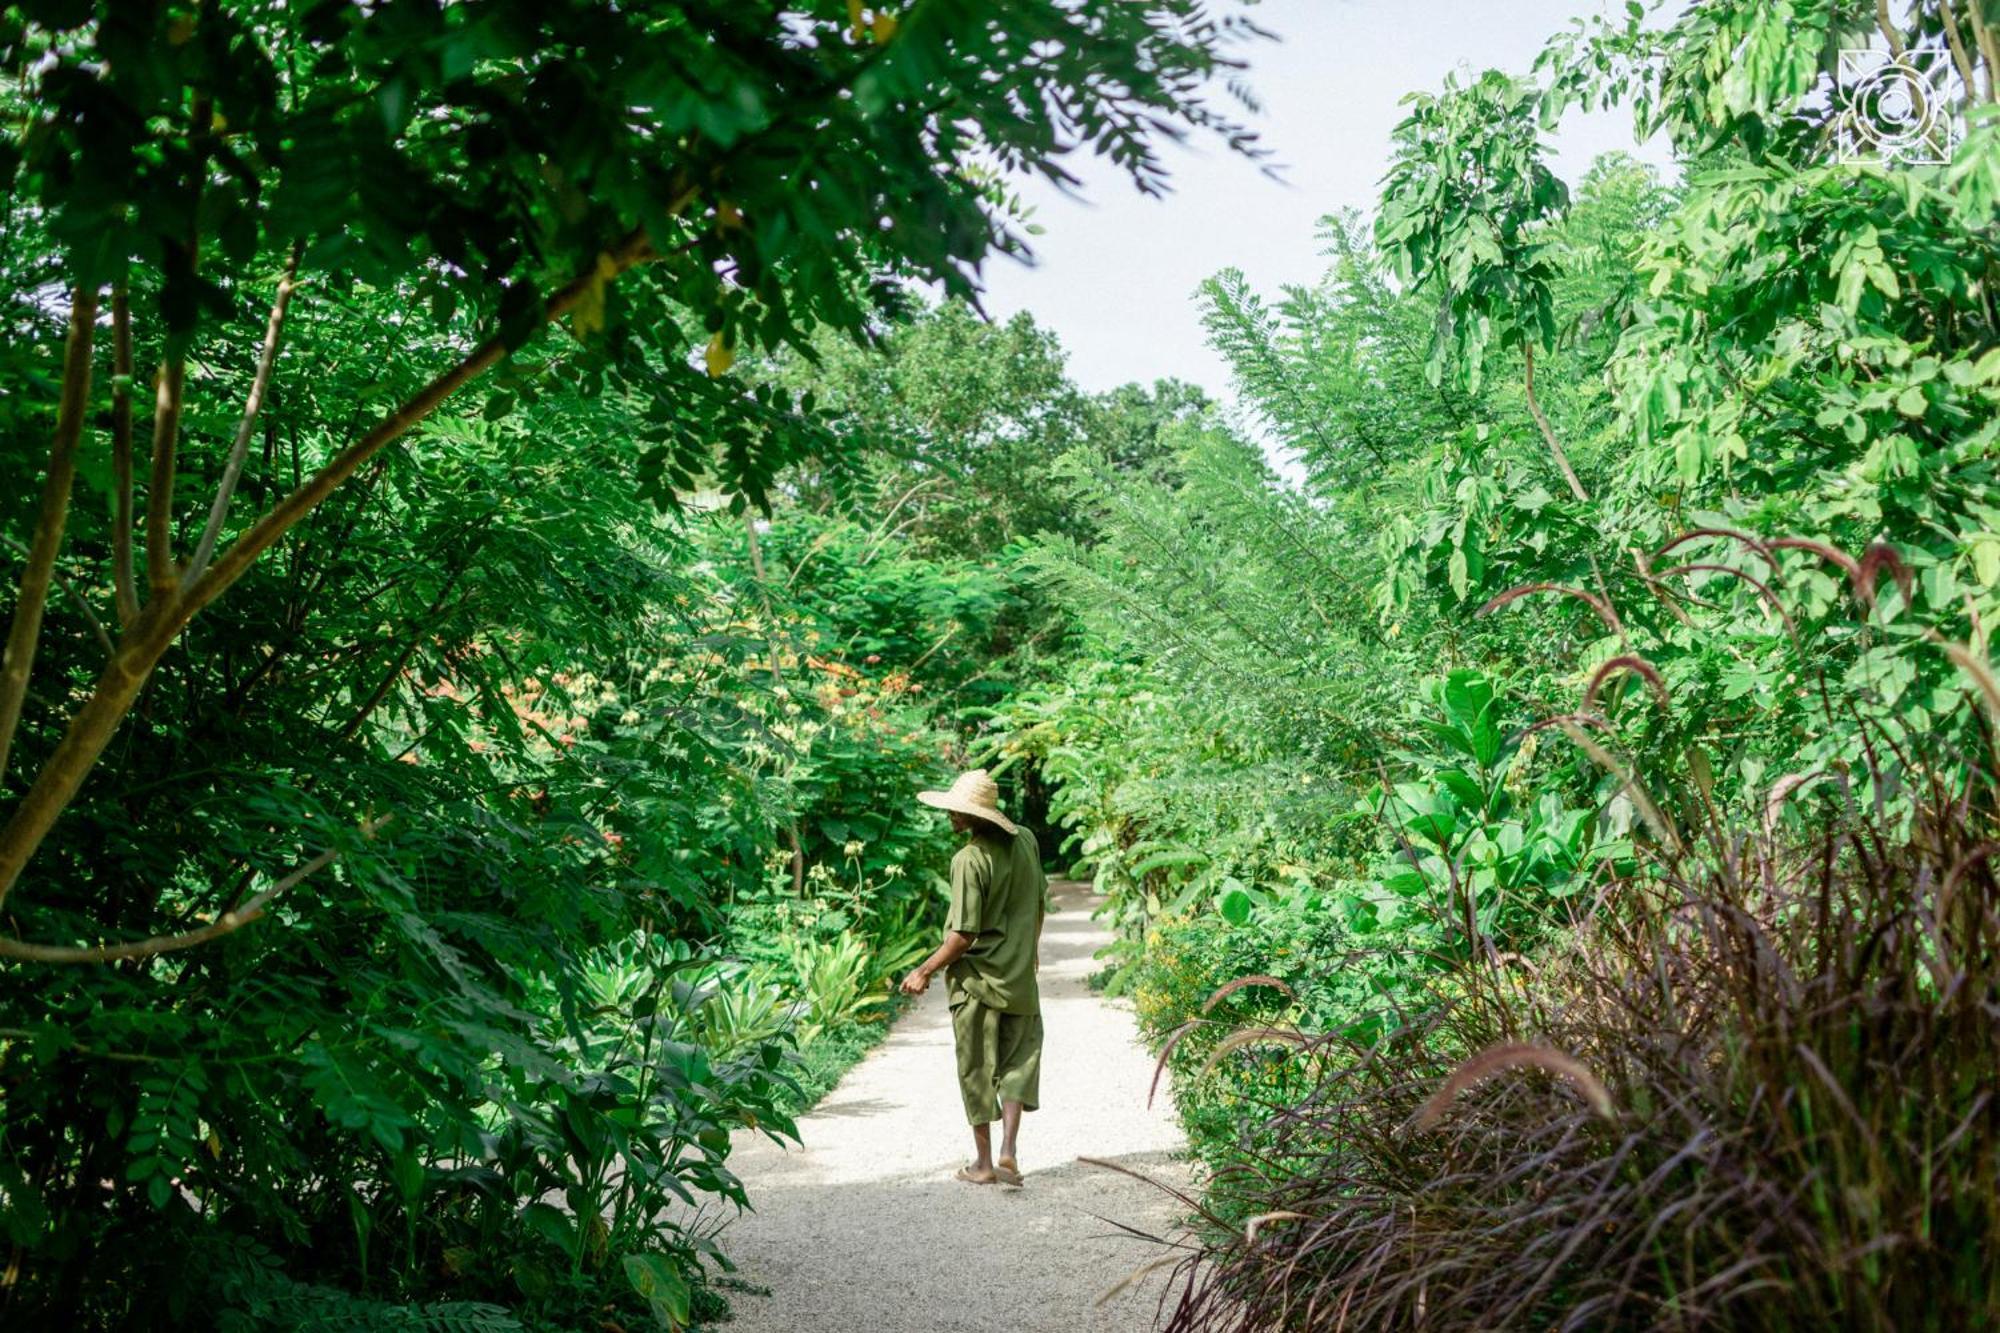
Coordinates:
<point>955,945</point>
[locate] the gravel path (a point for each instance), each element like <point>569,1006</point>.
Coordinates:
<point>863,1230</point>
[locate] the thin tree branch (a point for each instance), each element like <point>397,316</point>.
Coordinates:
<point>172,386</point>
<point>22,1034</point>
<point>231,564</point>
<point>409,650</point>
<point>82,604</point>
<point>1957,44</point>
<point>240,448</point>
<point>1548,433</point>
<point>121,455</point>
<point>1982,36</point>
<point>110,953</point>
<point>229,922</point>
<point>25,631</point>
<point>163,617</point>
<point>1888,27</point>
<point>160,485</point>
<point>883,531</point>
<point>875,548</point>
<point>819,544</point>
<point>777,675</point>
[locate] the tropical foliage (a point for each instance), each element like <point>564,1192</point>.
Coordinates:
<point>1530,829</point>
<point>453,774</point>
<point>502,536</point>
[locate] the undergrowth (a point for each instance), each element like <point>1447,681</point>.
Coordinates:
<point>1750,1080</point>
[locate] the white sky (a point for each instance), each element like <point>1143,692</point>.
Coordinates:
<point>1115,274</point>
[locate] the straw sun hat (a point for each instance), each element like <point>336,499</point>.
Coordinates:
<point>974,793</point>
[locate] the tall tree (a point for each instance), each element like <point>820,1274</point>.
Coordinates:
<point>660,175</point>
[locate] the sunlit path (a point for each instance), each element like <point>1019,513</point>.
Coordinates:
<point>863,1229</point>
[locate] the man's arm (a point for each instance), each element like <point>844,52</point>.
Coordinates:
<point>956,942</point>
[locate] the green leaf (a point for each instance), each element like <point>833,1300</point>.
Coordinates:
<point>1463,788</point>
<point>552,1224</point>
<point>1466,695</point>
<point>658,1281</point>
<point>1236,907</point>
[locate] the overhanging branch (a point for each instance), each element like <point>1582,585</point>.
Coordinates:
<point>229,922</point>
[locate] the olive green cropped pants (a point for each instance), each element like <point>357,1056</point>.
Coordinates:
<point>999,1059</point>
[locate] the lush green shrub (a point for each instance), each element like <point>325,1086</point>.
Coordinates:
<point>1189,959</point>
<point>1755,1095</point>
<point>1472,846</point>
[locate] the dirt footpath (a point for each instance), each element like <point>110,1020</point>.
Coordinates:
<point>863,1230</point>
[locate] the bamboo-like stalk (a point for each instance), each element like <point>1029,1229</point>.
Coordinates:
<point>25,631</point>
<point>167,397</point>
<point>1989,52</point>
<point>239,448</point>
<point>122,578</point>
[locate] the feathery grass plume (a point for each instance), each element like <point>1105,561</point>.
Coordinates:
<point>1242,1037</point>
<point>1781,791</point>
<point>1983,680</point>
<point>1638,666</point>
<point>1763,588</point>
<point>1762,548</point>
<point>1628,783</point>
<point>1874,560</point>
<point>1514,1055</point>
<point>1572,719</point>
<point>1224,991</point>
<point>1251,1227</point>
<point>1603,608</point>
<point>1825,551</point>
<point>1667,597</point>
<point>1166,1054</point>
<point>1133,1278</point>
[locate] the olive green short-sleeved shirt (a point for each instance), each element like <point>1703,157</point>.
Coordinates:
<point>998,896</point>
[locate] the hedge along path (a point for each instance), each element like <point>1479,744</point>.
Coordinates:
<point>863,1230</point>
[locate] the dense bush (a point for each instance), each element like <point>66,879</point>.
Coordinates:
<point>1623,508</point>
<point>1753,1090</point>
<point>428,825</point>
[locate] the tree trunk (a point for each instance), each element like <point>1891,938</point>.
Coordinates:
<point>170,609</point>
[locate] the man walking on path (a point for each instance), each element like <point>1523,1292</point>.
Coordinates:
<point>990,953</point>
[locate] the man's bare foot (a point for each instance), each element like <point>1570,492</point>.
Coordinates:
<point>977,1175</point>
<point>1008,1172</point>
